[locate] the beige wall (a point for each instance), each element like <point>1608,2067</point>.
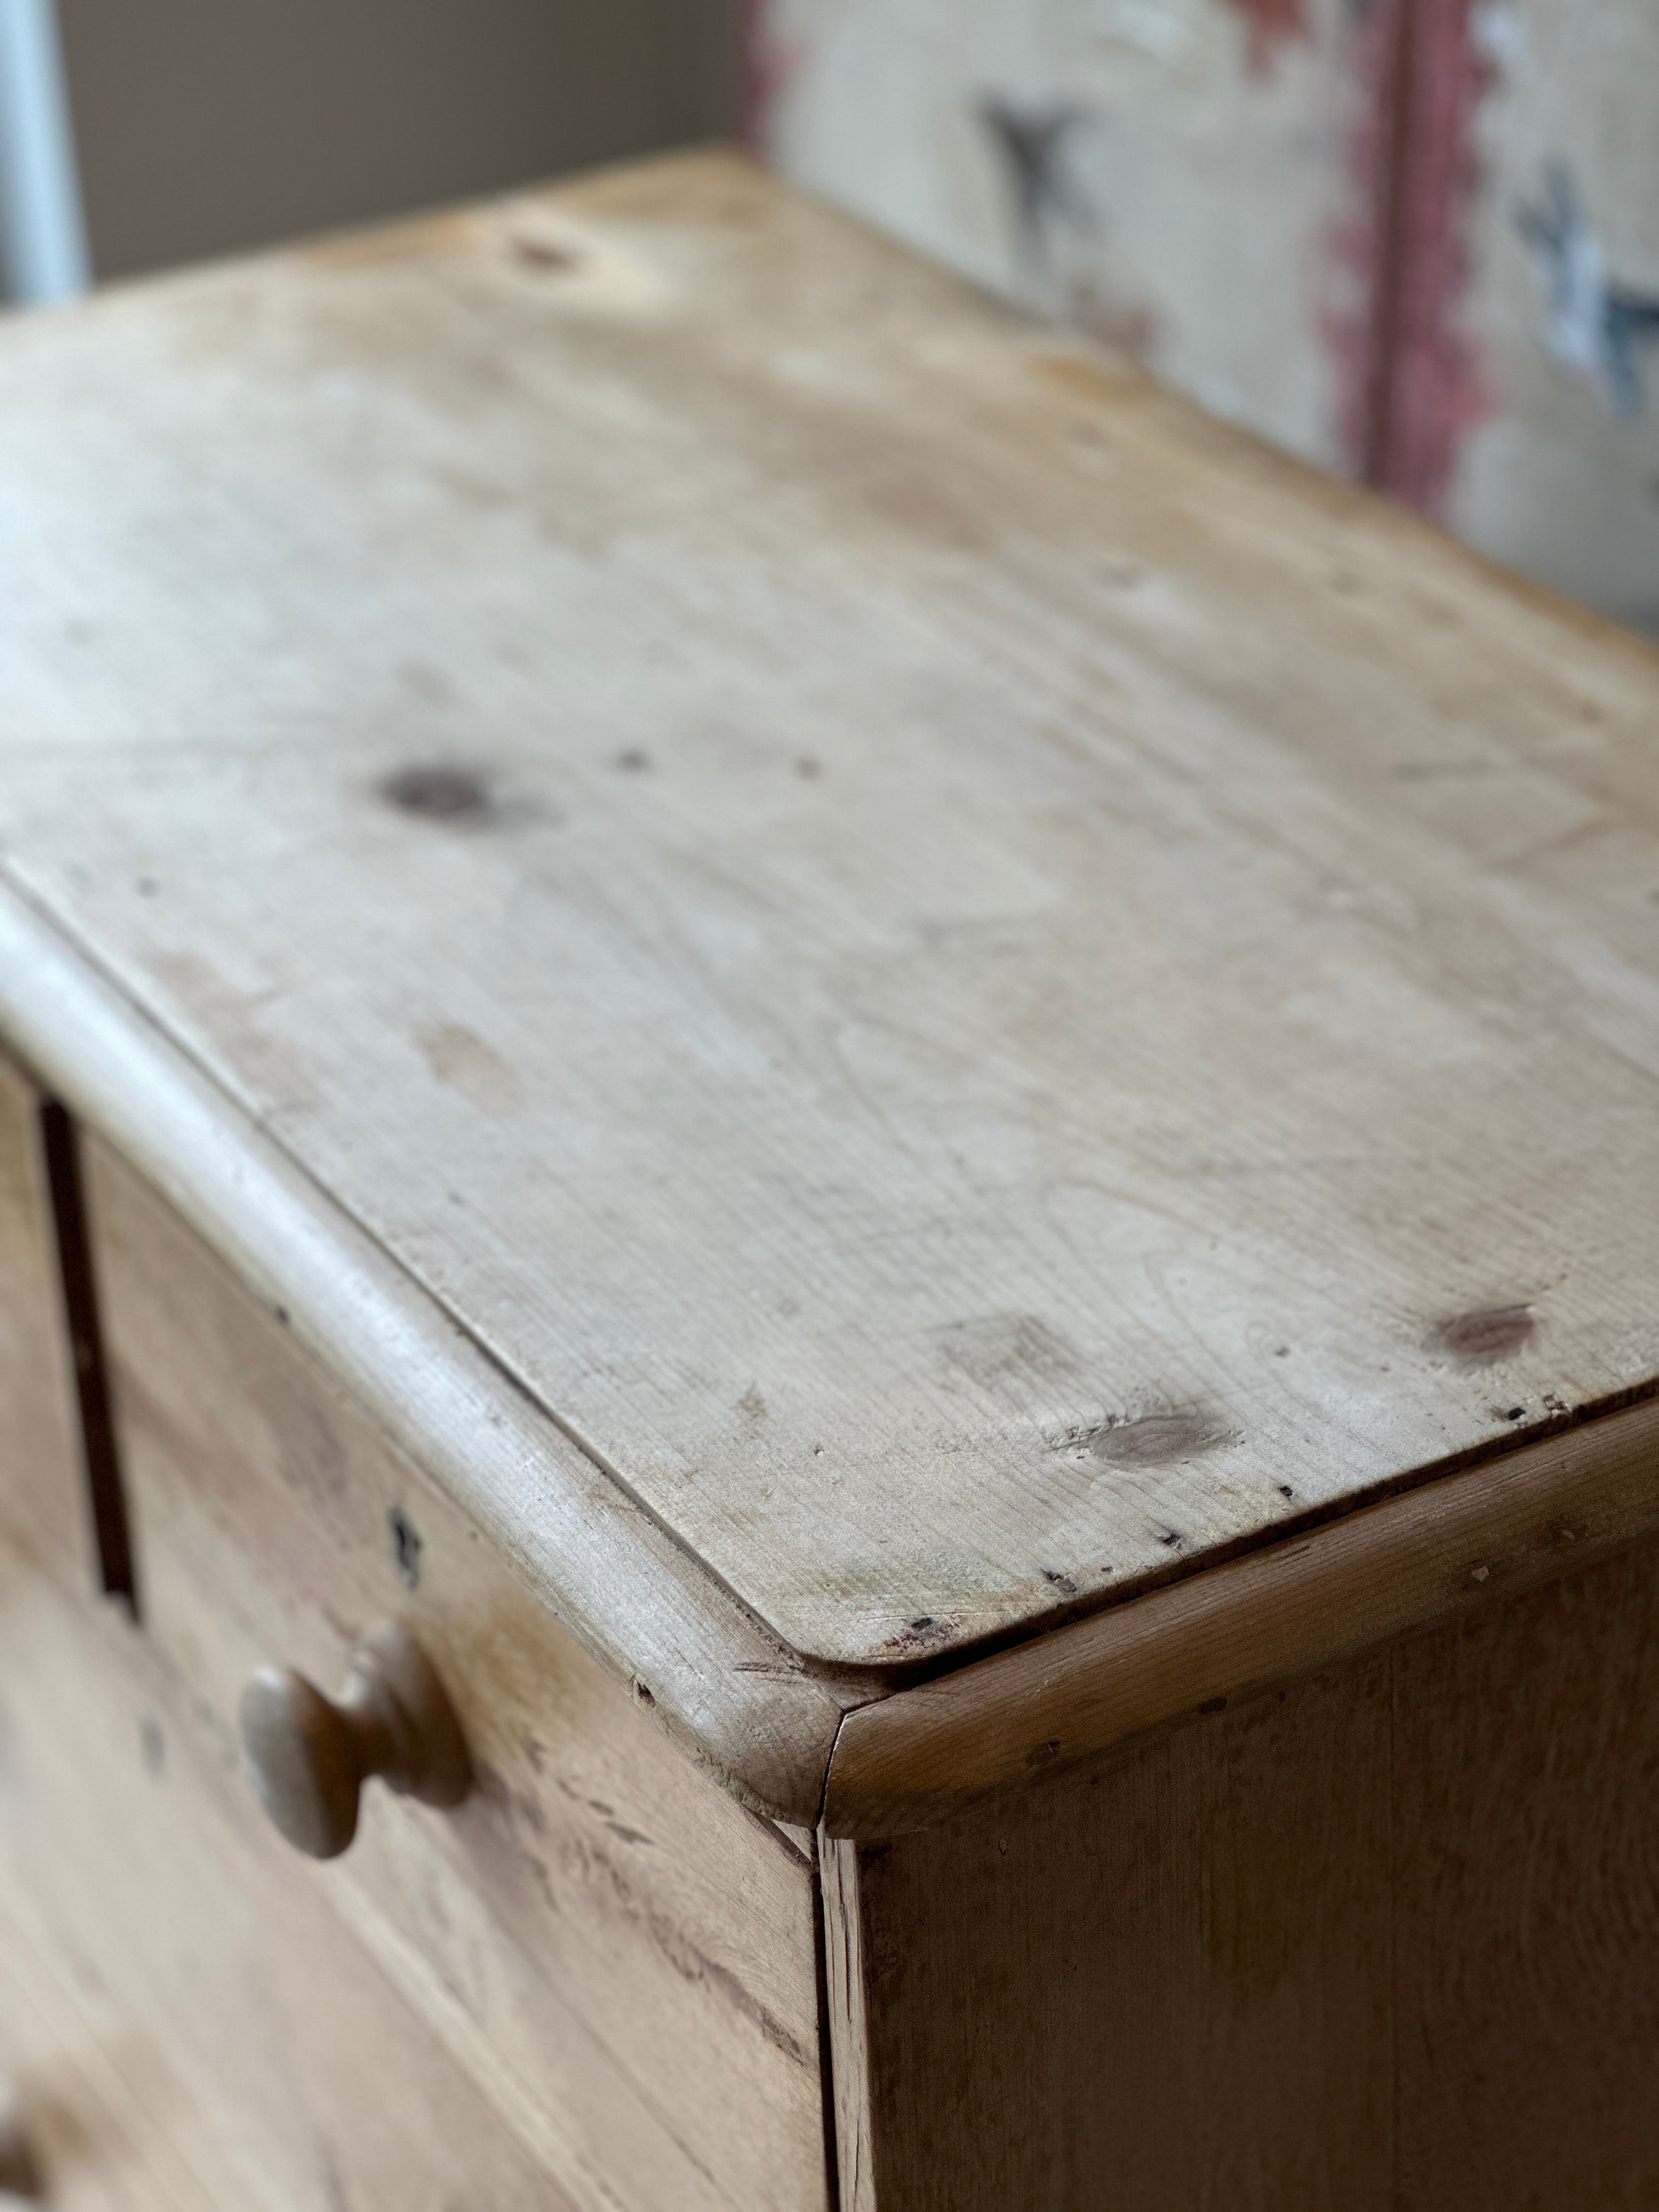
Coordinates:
<point>209,126</point>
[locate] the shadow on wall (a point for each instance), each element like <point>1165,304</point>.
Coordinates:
<point>207,126</point>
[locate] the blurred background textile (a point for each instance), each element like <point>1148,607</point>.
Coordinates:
<point>1415,241</point>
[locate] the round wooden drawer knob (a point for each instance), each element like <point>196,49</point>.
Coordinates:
<point>310,1755</point>
<point>20,2171</point>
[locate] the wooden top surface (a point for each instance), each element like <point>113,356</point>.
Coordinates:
<point>983,989</point>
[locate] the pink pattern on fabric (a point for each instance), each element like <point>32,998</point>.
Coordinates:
<point>1412,383</point>
<point>1271,24</point>
<point>769,65</point>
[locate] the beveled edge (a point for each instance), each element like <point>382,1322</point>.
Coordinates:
<point>844,1756</point>
<point>1126,1675</point>
<point>735,1697</point>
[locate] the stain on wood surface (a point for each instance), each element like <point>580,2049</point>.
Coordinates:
<point>439,794</point>
<point>1076,1110</point>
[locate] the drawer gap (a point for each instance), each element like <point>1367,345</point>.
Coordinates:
<point>101,1464</point>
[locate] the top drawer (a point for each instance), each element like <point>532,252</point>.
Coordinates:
<point>622,1955</point>
<point>185,2029</point>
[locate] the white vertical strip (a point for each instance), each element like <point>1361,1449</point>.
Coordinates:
<point>43,237</point>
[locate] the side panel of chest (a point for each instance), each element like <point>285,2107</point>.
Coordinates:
<point>1389,1935</point>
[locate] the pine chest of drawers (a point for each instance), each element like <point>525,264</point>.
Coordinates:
<point>827,1176</point>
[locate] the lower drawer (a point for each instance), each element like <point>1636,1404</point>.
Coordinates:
<point>184,2023</point>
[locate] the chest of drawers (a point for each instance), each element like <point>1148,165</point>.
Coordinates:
<point>848,1144</point>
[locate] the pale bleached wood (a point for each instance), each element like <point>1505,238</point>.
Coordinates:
<point>41,1504</point>
<point>1526,1757</point>
<point>800,1839</point>
<point>622,1956</point>
<point>1453,1548</point>
<point>731,1695</point>
<point>852,2057</point>
<point>186,2012</point>
<point>95,2146</point>
<point>811,960</point>
<point>997,990</point>
<point>1163,1985</point>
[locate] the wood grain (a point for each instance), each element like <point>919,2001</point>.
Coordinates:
<point>1525,1809</point>
<point>986,990</point>
<point>621,1956</point>
<point>1452,1548</point>
<point>41,1504</point>
<point>848,1994</point>
<point>1389,1937</point>
<point>189,2023</point>
<point>739,1702</point>
<point>89,2138</point>
<point>1162,1984</point>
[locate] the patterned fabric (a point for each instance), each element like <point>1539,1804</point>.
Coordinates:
<point>1417,240</point>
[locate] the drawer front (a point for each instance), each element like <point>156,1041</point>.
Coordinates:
<point>620,1955</point>
<point>186,2030</point>
<point>39,1467</point>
